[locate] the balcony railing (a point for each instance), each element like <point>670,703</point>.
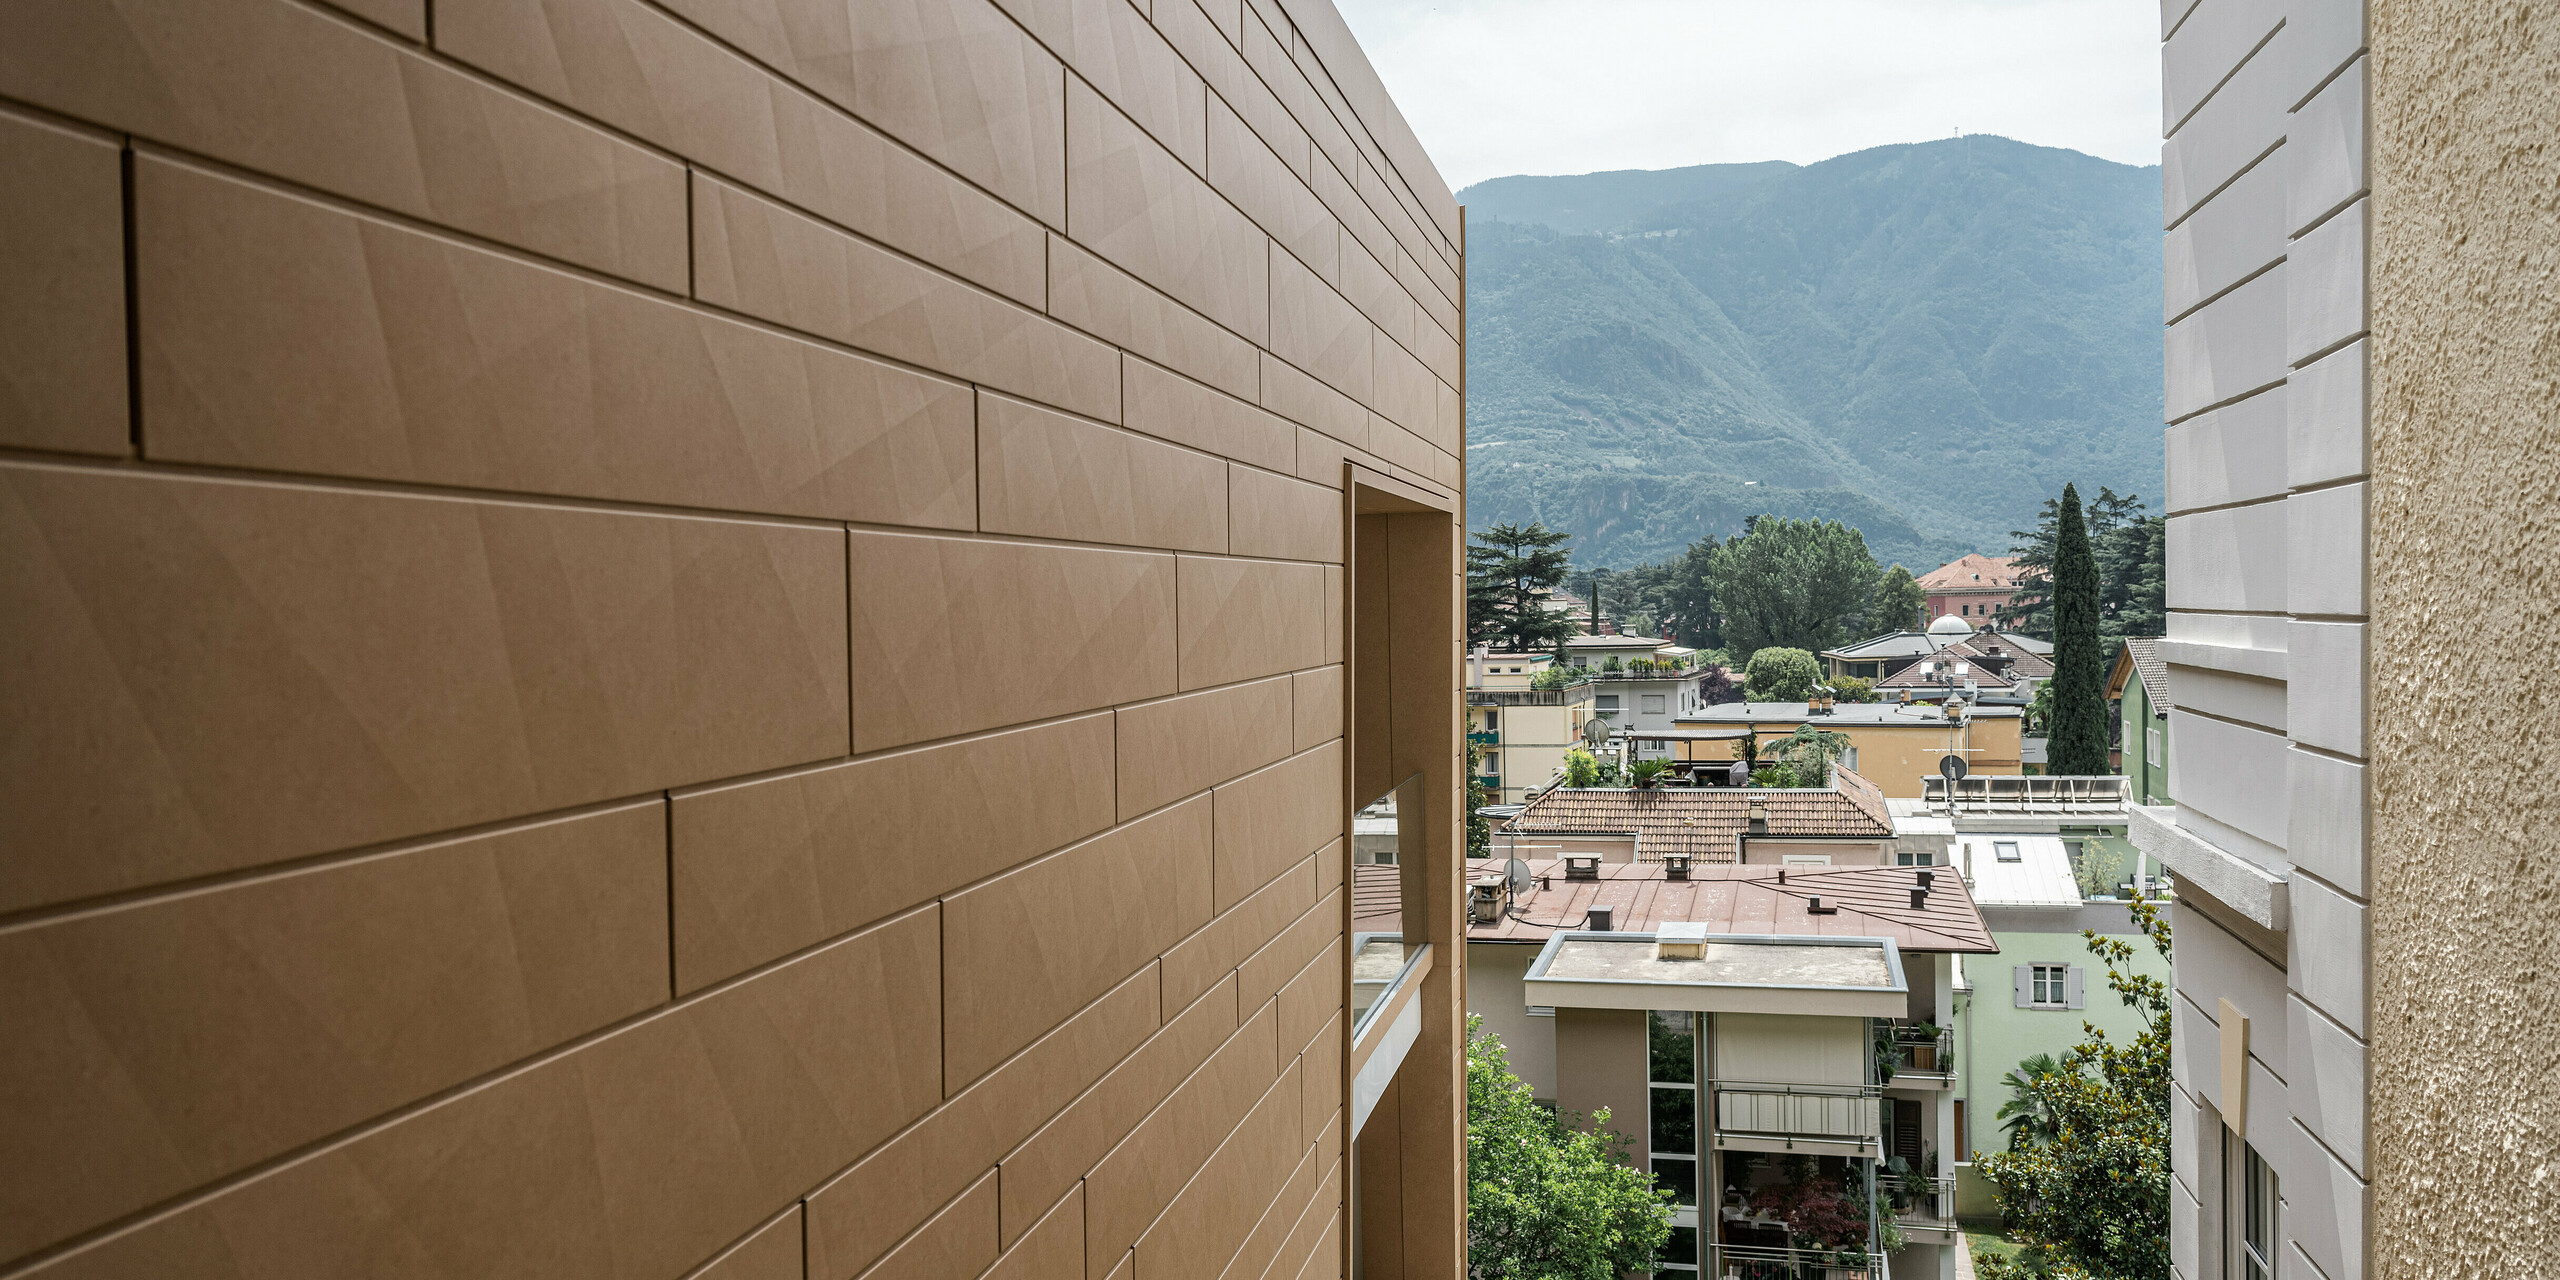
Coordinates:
<point>1485,738</point>
<point>1526,697</point>
<point>1816,1112</point>
<point>1989,794</point>
<point>1916,1054</point>
<point>1753,1262</point>
<point>1923,1201</point>
<point>1658,673</point>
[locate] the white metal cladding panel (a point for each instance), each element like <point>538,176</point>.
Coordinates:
<point>2209,965</point>
<point>2327,1082</point>
<point>2232,559</point>
<point>2229,773</point>
<point>1790,1049</point>
<point>2241,122</point>
<point>2324,531</point>
<point>2329,657</point>
<point>2324,303</point>
<point>2324,150</point>
<point>2328,952</point>
<point>2324,417</point>
<point>2321,36</point>
<point>2326,827</point>
<point>2206,48</point>
<point>2227,348</point>
<point>2234,235</point>
<point>2233,454</point>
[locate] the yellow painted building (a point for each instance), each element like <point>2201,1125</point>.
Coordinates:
<point>1521,733</point>
<point>1893,745</point>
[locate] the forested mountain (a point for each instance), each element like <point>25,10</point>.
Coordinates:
<point>1925,341</point>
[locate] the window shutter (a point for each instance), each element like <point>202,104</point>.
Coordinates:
<point>2023,976</point>
<point>2074,996</point>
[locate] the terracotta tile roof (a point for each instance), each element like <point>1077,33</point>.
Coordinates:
<point>1973,572</point>
<point>1703,821</point>
<point>1874,902</point>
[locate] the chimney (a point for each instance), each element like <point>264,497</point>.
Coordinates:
<point>1679,940</point>
<point>1813,906</point>
<point>1475,665</point>
<point>1919,898</point>
<point>1675,866</point>
<point>1582,867</point>
<point>1601,919</point>
<point>1757,815</point>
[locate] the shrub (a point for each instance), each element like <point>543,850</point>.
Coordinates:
<point>1781,675</point>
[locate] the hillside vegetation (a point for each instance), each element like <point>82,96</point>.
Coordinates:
<point>1922,341</point>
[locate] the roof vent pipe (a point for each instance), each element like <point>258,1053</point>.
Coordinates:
<point>1601,919</point>
<point>1758,814</point>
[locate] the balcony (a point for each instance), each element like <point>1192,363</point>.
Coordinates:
<point>1485,738</point>
<point>1925,1207</point>
<point>1566,696</point>
<point>1759,1262</point>
<point>1913,1055</point>
<point>1823,1119</point>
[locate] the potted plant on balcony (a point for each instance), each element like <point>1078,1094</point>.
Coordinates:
<point>1648,773</point>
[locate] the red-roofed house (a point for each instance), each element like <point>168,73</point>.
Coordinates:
<point>1972,587</point>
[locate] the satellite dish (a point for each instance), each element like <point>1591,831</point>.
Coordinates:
<point>1595,733</point>
<point>1951,767</point>
<point>1517,870</point>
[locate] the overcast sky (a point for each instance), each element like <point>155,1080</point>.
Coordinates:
<point>1497,87</point>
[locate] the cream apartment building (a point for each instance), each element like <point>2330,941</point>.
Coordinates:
<point>2364,426</point>
<point>672,639</point>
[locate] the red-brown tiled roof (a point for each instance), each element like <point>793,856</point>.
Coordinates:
<point>1874,902</point>
<point>1973,572</point>
<point>1703,821</point>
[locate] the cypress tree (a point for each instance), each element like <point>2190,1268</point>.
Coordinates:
<point>2076,738</point>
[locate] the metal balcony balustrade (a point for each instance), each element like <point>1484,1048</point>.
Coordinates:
<point>1844,1113</point>
<point>1527,697</point>
<point>1992,794</point>
<point>1484,737</point>
<point>1757,1262</point>
<point>1917,1053</point>
<point>1920,1199</point>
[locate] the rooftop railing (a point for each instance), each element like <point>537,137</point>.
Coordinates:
<point>1988,794</point>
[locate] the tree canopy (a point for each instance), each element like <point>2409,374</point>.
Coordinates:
<point>1897,604</point>
<point>2131,553</point>
<point>2076,733</point>
<point>1797,584</point>
<point>1780,675</point>
<point>1547,1200</point>
<point>2088,1185</point>
<point>1509,569</point>
<point>1673,597</point>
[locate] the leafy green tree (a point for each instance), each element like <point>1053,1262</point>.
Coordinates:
<point>1671,599</point>
<point>2076,737</point>
<point>1808,753</point>
<point>1509,569</point>
<point>1854,689</point>
<point>2132,600</point>
<point>2026,1117</point>
<point>1897,604</point>
<point>1780,675</point>
<point>2091,1201</point>
<point>1581,768</point>
<point>1791,583</point>
<point>1547,1200</point>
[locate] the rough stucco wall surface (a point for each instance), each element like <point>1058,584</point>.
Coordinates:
<point>2465,423</point>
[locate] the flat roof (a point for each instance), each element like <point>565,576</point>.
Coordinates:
<point>1857,714</point>
<point>2041,875</point>
<point>1735,974</point>
<point>1863,902</point>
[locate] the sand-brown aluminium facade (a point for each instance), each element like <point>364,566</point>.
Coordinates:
<point>647,638</point>
<point>2465,426</point>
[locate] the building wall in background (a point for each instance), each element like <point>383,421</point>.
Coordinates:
<point>642,629</point>
<point>2465,245</point>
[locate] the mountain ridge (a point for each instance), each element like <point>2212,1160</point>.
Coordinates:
<point>1926,339</point>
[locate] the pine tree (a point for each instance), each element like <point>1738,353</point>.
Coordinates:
<point>2076,744</point>
<point>1509,570</point>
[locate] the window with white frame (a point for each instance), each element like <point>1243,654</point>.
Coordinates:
<point>2151,747</point>
<point>2254,1207</point>
<point>2048,986</point>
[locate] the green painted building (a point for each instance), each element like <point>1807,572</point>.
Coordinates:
<point>2041,991</point>
<point>2139,687</point>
